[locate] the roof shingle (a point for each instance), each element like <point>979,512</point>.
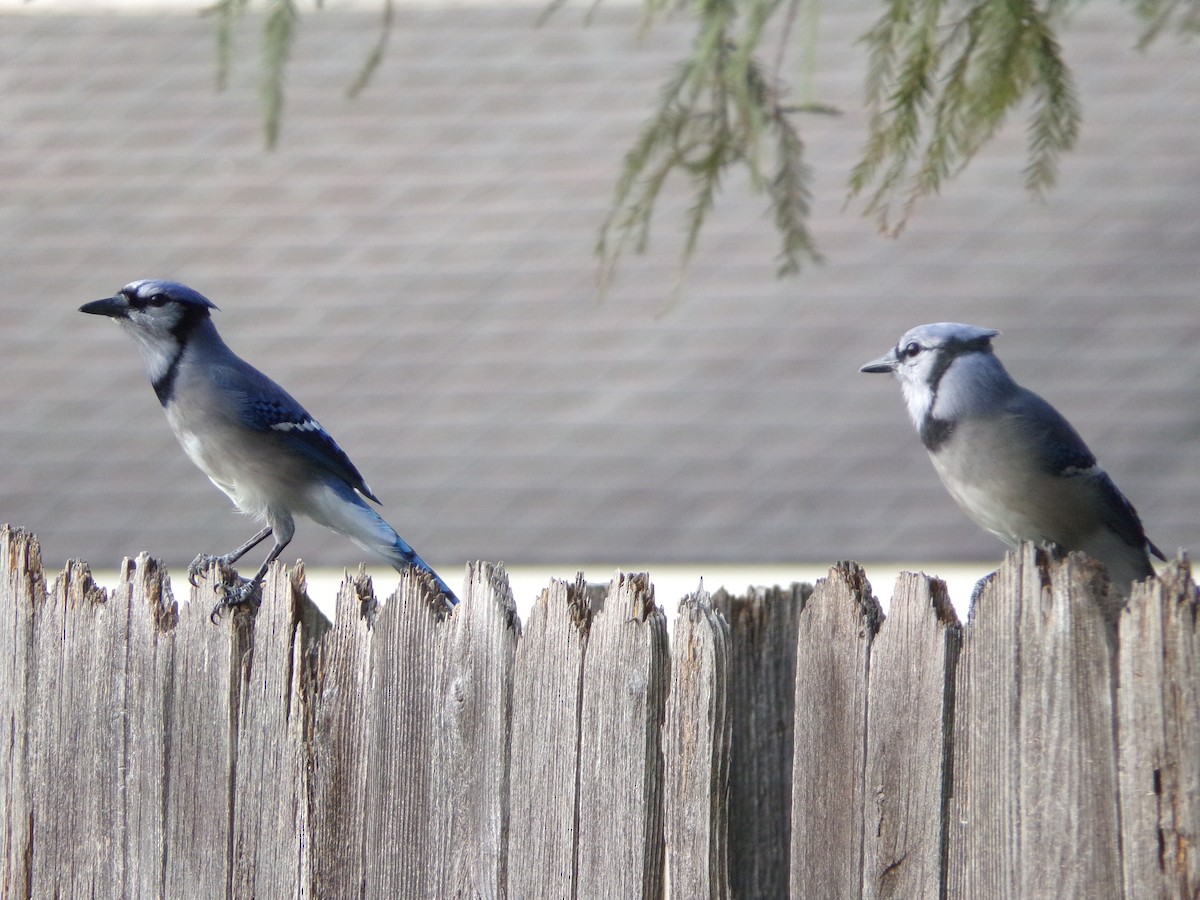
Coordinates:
<point>415,266</point>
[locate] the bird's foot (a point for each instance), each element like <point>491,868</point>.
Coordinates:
<point>201,564</point>
<point>240,593</point>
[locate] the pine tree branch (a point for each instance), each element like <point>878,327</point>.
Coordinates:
<point>719,111</point>
<point>226,12</point>
<point>1160,16</point>
<point>936,102</point>
<point>279,34</point>
<point>943,77</point>
<point>375,57</point>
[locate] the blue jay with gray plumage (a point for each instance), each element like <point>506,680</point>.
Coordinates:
<point>247,434</point>
<point>1006,456</point>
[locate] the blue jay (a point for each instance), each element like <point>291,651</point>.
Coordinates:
<point>1006,456</point>
<point>247,434</point>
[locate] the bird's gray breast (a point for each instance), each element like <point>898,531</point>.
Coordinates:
<point>991,470</point>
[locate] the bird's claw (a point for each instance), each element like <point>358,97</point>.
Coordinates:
<point>232,590</point>
<point>237,594</point>
<point>200,566</point>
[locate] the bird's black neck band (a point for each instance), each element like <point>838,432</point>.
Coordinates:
<point>935,433</point>
<point>164,385</point>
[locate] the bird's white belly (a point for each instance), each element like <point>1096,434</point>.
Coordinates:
<point>227,470</point>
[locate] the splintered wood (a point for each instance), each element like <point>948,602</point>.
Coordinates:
<point>788,741</point>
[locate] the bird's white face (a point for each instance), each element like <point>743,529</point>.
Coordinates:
<point>919,368</point>
<point>150,313</point>
<point>921,359</point>
<point>151,321</point>
<point>918,361</point>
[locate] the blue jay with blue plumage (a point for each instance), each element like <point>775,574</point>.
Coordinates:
<point>1007,457</point>
<point>248,435</point>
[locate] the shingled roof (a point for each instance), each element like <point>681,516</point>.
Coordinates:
<point>416,266</point>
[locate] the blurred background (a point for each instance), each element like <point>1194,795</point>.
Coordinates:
<point>416,266</point>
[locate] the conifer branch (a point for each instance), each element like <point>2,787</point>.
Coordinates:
<point>279,33</point>
<point>719,111</point>
<point>375,57</point>
<point>939,90</point>
<point>226,12</point>
<point>943,76</point>
<point>1160,16</point>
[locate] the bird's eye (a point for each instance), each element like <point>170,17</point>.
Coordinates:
<point>159,299</point>
<point>911,349</point>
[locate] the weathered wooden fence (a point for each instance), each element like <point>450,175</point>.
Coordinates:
<point>789,740</point>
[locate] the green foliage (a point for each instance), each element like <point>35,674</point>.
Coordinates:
<point>375,57</point>
<point>943,77</point>
<point>719,110</point>
<point>942,80</point>
<point>280,24</point>
<point>279,34</point>
<point>1180,16</point>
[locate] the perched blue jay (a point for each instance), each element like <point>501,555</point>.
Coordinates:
<point>1006,456</point>
<point>247,434</point>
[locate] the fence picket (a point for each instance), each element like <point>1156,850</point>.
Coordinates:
<point>1035,764</point>
<point>762,701</point>
<point>341,783</point>
<point>805,746</point>
<point>271,831</point>
<point>625,674</point>
<point>696,740</point>
<point>477,724</point>
<point>910,708</point>
<point>544,784</point>
<point>837,627</point>
<point>1158,700</point>
<point>407,836</point>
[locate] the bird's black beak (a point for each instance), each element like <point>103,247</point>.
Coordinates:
<point>881,366</point>
<point>113,307</point>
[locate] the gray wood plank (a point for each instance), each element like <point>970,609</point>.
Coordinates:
<point>625,676</point>
<point>477,724</point>
<point>696,750</point>
<point>149,655</point>
<point>1159,728</point>
<point>910,709</point>
<point>76,738</point>
<point>270,790</point>
<point>22,590</point>
<point>407,829</point>
<point>982,853</point>
<point>547,700</point>
<point>837,626</point>
<point>200,710</point>
<point>1070,821</point>
<point>1035,782</point>
<point>762,701</point>
<point>341,744</point>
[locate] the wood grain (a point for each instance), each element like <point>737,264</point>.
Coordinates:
<point>837,626</point>
<point>763,625</point>
<point>1158,700</point>
<point>696,747</point>
<point>910,726</point>
<point>625,676</point>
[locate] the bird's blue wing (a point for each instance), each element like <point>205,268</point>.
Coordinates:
<point>267,407</point>
<point>1058,447</point>
<point>1062,452</point>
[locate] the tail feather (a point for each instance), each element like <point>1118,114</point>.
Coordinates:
<point>403,556</point>
<point>345,512</point>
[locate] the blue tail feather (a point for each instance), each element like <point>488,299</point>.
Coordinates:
<point>341,508</point>
<point>409,558</point>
